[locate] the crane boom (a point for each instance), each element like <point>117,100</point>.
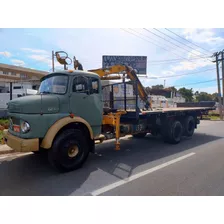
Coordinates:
<point>104,72</point>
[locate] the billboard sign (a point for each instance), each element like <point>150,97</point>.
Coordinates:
<point>137,62</point>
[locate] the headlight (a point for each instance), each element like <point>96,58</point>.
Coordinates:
<point>25,127</point>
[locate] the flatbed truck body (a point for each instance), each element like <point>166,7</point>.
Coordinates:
<point>66,118</point>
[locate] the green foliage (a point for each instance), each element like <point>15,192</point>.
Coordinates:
<point>158,87</point>
<point>4,122</point>
<point>203,96</point>
<point>187,94</point>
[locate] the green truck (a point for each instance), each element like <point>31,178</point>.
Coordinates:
<point>66,118</point>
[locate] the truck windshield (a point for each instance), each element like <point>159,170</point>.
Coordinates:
<point>54,85</point>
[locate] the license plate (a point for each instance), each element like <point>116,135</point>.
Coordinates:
<point>16,128</point>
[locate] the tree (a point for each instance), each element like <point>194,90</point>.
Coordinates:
<point>173,89</point>
<point>187,94</point>
<point>215,97</point>
<point>196,93</point>
<point>203,96</point>
<point>158,87</point>
<point>147,89</point>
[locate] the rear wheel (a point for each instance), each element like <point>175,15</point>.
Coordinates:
<point>69,151</point>
<point>172,132</point>
<point>189,126</point>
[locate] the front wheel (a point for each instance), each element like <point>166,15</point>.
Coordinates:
<point>139,135</point>
<point>69,151</point>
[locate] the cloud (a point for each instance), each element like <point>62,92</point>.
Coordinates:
<point>203,36</point>
<point>46,59</point>
<point>42,58</point>
<point>18,62</point>
<point>196,62</point>
<point>180,68</point>
<point>189,66</point>
<point>6,54</point>
<point>167,73</point>
<point>210,89</point>
<point>38,51</point>
<point>39,55</point>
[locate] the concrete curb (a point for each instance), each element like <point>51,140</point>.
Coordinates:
<point>4,149</point>
<point>209,120</point>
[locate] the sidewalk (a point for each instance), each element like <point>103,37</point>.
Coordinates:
<point>4,149</point>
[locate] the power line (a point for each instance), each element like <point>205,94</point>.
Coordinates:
<point>163,62</point>
<point>169,47</point>
<point>192,73</point>
<point>168,41</point>
<point>158,45</point>
<point>190,60</point>
<point>180,42</point>
<point>177,59</point>
<point>187,40</point>
<point>152,43</point>
<point>211,80</point>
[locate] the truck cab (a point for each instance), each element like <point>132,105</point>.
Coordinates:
<point>68,104</point>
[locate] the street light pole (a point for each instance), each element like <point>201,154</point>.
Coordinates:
<point>53,61</point>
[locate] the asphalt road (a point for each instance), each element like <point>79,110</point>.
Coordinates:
<point>142,167</point>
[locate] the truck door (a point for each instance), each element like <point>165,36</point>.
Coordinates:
<point>86,101</point>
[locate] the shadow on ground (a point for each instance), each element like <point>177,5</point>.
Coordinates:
<point>32,175</point>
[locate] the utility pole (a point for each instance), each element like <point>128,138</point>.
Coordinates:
<point>52,61</point>
<point>10,90</point>
<point>222,54</point>
<point>164,83</point>
<point>218,83</point>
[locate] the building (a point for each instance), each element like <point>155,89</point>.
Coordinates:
<point>21,79</point>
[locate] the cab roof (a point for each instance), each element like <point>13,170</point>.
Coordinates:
<point>73,73</point>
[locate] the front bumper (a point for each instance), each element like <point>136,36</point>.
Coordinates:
<point>19,144</point>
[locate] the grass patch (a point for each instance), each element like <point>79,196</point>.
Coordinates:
<point>1,137</point>
<point>211,117</point>
<point>4,123</point>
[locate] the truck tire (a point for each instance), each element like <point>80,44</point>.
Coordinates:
<point>69,151</point>
<point>189,126</point>
<point>154,133</point>
<point>139,135</point>
<point>41,152</point>
<point>172,133</point>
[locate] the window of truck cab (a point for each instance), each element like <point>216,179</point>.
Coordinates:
<point>56,84</point>
<point>83,84</point>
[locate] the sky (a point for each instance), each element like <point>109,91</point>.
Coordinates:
<point>167,54</point>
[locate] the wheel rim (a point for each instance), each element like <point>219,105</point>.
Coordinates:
<point>177,132</point>
<point>190,126</point>
<point>73,151</point>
